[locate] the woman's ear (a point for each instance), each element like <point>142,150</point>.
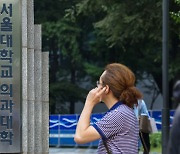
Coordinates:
<point>107,89</point>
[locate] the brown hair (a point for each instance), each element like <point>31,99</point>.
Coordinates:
<point>121,81</point>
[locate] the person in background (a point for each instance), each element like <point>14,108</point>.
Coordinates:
<point>174,139</point>
<point>118,129</point>
<point>141,109</point>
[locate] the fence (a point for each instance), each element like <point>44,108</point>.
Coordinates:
<point>62,127</point>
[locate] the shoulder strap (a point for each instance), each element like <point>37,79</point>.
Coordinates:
<point>106,146</point>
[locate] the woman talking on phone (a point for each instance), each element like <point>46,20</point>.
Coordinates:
<point>118,129</point>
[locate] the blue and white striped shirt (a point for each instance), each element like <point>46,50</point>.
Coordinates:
<point>119,128</point>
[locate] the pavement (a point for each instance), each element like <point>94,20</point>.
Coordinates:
<point>75,150</point>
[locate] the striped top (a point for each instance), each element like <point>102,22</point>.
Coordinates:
<point>119,128</point>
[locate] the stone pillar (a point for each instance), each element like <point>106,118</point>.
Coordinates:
<point>38,88</point>
<point>30,74</point>
<point>24,79</point>
<point>45,102</point>
<point>35,86</point>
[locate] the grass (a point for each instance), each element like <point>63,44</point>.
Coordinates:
<point>157,149</point>
<point>153,150</point>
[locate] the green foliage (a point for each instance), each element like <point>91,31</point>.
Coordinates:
<point>83,36</point>
<point>51,11</point>
<point>155,140</point>
<point>156,143</point>
<point>93,70</point>
<point>124,32</point>
<point>68,36</point>
<point>122,20</point>
<point>131,33</point>
<point>63,92</point>
<point>175,15</point>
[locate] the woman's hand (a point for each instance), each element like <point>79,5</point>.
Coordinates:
<point>94,96</point>
<point>84,131</point>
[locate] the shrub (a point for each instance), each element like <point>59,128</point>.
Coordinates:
<point>155,140</point>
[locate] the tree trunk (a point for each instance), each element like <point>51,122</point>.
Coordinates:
<point>54,61</point>
<point>73,80</point>
<point>72,106</point>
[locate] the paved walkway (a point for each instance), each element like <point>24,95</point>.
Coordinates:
<point>55,150</point>
<point>72,151</point>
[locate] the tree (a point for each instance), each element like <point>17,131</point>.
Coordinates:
<point>86,35</point>
<point>133,30</point>
<point>63,48</point>
<point>63,37</point>
<point>176,15</point>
